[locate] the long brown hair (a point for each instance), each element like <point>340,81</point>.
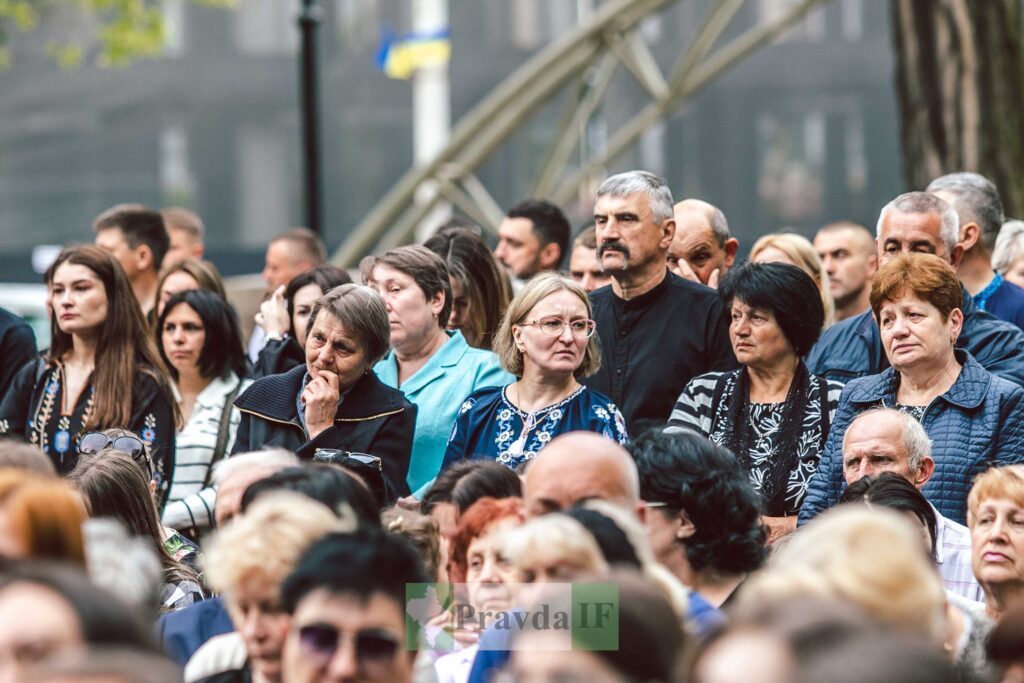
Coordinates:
<point>114,486</point>
<point>125,345</point>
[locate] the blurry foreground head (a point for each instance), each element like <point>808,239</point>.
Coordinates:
<point>40,518</point>
<point>869,557</point>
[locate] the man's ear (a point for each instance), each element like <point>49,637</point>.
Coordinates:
<point>731,246</point>
<point>686,527</point>
<point>924,472</point>
<point>550,256</point>
<point>969,235</point>
<point>143,257</point>
<point>668,233</point>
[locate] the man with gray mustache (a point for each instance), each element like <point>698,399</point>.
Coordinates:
<point>657,330</point>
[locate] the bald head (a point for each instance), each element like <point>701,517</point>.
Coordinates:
<point>581,466</point>
<point>887,440</point>
<point>702,239</point>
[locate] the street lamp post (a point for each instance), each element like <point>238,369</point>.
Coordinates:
<point>309,86</point>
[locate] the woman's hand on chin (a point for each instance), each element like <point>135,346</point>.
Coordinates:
<point>321,400</point>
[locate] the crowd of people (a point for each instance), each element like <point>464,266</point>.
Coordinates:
<point>803,464</point>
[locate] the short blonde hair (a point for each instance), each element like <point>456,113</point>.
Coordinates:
<point>997,482</point>
<point>802,253</point>
<point>552,539</point>
<point>268,539</point>
<point>535,291</point>
<point>870,557</point>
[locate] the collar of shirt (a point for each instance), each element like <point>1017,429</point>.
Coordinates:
<point>982,297</point>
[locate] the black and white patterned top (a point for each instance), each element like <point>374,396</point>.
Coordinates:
<point>694,411</point>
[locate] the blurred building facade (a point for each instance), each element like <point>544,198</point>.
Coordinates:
<point>803,133</point>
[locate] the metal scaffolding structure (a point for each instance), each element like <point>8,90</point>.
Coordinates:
<point>585,60</point>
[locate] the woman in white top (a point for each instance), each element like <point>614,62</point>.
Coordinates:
<point>201,344</point>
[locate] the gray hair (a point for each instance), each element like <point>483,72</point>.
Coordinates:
<point>923,202</point>
<point>362,313</point>
<point>270,458</point>
<point>632,182</point>
<point>915,439</point>
<point>1009,246</point>
<point>976,200</point>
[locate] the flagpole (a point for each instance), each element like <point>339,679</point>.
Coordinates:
<point>309,19</point>
<point>431,108</point>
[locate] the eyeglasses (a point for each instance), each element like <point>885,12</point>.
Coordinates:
<point>553,327</point>
<point>372,646</point>
<point>94,442</point>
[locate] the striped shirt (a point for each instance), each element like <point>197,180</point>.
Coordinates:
<point>694,411</point>
<point>190,499</point>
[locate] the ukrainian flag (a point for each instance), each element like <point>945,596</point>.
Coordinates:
<point>400,56</point>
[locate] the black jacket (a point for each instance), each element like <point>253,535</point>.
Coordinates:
<point>373,418</point>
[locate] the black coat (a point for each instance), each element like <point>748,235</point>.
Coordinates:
<point>372,418</point>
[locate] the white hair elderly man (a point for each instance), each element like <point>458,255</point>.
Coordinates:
<point>657,330</point>
<point>889,440</point>
<point>917,222</point>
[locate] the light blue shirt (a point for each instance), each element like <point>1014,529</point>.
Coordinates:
<point>438,389</point>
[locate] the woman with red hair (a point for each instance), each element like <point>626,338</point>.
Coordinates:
<point>40,518</point>
<point>476,561</point>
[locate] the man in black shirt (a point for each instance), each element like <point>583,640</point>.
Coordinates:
<point>657,330</point>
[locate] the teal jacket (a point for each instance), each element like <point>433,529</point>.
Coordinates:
<point>438,390</point>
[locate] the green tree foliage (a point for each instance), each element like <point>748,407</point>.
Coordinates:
<point>126,30</point>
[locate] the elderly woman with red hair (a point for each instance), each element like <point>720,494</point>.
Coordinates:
<point>476,560</point>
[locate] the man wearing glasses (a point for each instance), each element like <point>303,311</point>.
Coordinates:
<point>347,601</point>
<point>657,330</point>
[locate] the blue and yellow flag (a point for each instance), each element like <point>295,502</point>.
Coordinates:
<point>400,56</point>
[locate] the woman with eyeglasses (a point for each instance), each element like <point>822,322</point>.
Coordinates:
<point>102,369</point>
<point>433,366</point>
<point>546,340</point>
<point>200,342</point>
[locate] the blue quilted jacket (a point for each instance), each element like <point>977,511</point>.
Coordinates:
<point>978,423</point>
<point>853,347</point>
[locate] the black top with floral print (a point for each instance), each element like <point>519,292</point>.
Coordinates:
<point>32,410</point>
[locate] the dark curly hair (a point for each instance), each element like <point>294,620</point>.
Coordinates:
<point>689,473</point>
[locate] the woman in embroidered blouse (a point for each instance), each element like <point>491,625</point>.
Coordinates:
<point>772,413</point>
<point>201,344</point>
<point>434,367</point>
<point>102,370</point>
<point>546,340</point>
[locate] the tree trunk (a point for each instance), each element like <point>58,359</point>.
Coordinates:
<point>960,79</point>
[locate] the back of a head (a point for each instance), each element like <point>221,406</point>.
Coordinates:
<point>109,665</point>
<point>877,657</point>
<point>22,456</point>
<point>688,472</point>
<point>554,540</point>
<point>45,516</point>
<point>976,200</point>
<point>269,461</point>
<point>870,557</point>
<point>890,490</point>
<point>549,223</point>
<point>269,539</point>
<point>422,532</point>
<point>568,454</point>
<point>326,484</point>
<point>114,486</point>
<point>651,638</point>
<point>139,225</point>
<point>488,479</point>
<point>361,564</point>
<point>615,544</point>
<point>304,245</point>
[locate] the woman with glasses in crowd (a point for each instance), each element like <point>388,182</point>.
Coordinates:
<point>772,413</point>
<point>546,340</point>
<point>434,367</point>
<point>102,369</point>
<point>200,342</point>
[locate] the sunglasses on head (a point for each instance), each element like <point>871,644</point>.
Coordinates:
<point>372,646</point>
<point>336,456</point>
<point>94,442</point>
